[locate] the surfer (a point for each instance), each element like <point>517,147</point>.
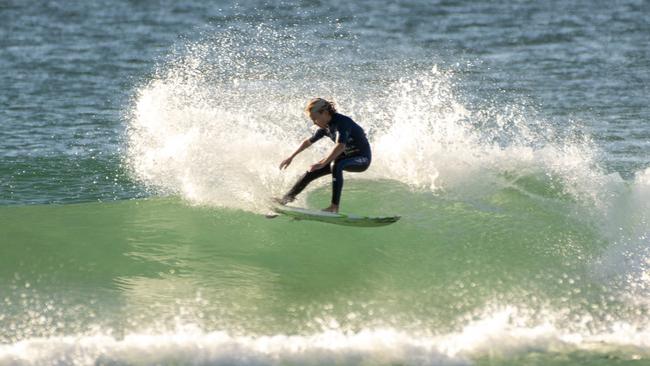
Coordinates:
<point>351,151</point>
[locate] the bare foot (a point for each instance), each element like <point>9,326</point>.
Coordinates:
<point>332,208</point>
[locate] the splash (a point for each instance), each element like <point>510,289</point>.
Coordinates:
<point>216,120</point>
<point>625,265</point>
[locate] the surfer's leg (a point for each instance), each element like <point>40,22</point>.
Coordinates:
<point>351,164</point>
<point>302,183</point>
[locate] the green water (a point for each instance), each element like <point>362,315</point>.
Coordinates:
<point>143,263</point>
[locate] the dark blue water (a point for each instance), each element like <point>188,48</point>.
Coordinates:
<point>70,69</point>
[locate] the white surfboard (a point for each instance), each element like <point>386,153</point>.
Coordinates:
<point>299,213</point>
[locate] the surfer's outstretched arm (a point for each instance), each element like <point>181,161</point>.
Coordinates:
<point>336,151</point>
<point>305,144</point>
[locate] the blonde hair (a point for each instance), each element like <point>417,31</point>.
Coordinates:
<point>319,105</point>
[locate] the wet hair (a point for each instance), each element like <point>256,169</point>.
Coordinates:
<point>319,105</point>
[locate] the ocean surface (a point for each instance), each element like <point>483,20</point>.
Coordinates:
<point>140,143</point>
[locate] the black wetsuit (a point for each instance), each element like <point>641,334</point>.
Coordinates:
<point>355,158</point>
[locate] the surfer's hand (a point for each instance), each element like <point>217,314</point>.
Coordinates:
<point>285,163</point>
<point>316,167</point>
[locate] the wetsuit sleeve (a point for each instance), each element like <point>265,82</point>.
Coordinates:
<point>317,135</point>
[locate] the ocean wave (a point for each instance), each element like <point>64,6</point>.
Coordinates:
<point>501,335</point>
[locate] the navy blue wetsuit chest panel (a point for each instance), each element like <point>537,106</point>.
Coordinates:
<point>344,130</point>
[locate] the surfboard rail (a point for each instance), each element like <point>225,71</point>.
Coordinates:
<point>299,213</point>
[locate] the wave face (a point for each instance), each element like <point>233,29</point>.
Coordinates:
<point>511,138</point>
<point>519,269</point>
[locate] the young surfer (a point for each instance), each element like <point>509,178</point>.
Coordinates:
<point>351,151</point>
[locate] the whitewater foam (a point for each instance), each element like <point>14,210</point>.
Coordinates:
<point>503,334</point>
<point>625,265</point>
